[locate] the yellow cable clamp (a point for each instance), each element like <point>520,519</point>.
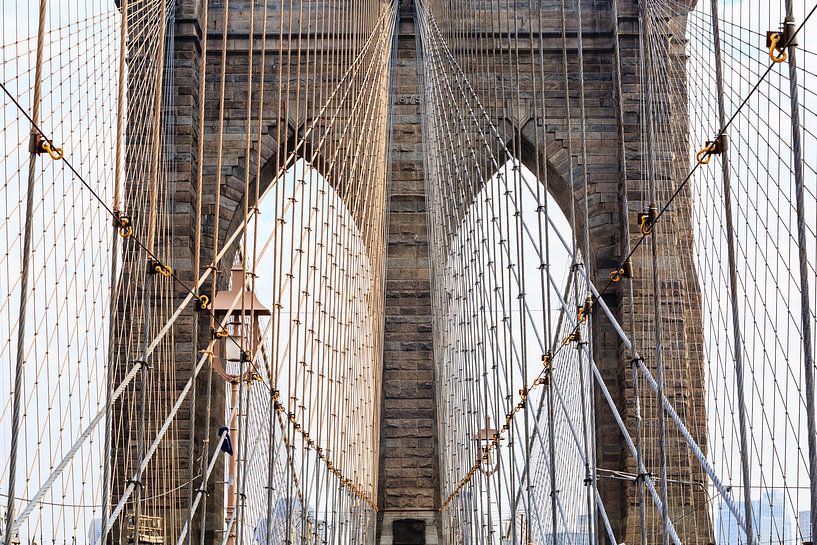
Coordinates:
<point>712,147</point>
<point>576,336</point>
<point>159,267</point>
<point>776,52</point>
<point>123,224</point>
<point>704,156</point>
<point>203,302</point>
<point>625,271</point>
<point>584,310</point>
<point>53,151</point>
<point>646,220</point>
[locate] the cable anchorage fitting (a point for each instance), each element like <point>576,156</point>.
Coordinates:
<point>712,147</point>
<point>778,41</point>
<point>40,145</point>
<point>646,220</point>
<point>123,224</point>
<point>625,271</point>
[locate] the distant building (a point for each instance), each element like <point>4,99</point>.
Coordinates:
<point>772,522</point>
<point>95,532</point>
<point>804,522</point>
<point>15,537</point>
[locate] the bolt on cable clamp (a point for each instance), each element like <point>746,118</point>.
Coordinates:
<point>202,302</point>
<point>646,220</point>
<point>576,337</point>
<point>583,312</point>
<point>40,145</point>
<point>625,271</point>
<point>712,147</point>
<point>142,364</point>
<point>157,267</point>
<point>123,224</point>
<point>778,40</point>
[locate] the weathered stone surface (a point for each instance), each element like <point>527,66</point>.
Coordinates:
<point>409,465</point>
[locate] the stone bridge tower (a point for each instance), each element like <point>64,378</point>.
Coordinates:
<point>409,490</point>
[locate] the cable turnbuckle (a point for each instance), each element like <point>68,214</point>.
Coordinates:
<point>157,267</point>
<point>40,145</point>
<point>713,147</point>
<point>646,220</point>
<point>625,271</point>
<point>123,224</point>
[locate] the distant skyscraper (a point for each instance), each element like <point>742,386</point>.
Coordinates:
<point>772,522</point>
<point>95,532</point>
<point>804,522</point>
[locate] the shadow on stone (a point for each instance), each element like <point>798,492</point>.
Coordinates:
<point>409,532</point>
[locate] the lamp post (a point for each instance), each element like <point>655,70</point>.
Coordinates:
<point>232,361</point>
<point>483,437</point>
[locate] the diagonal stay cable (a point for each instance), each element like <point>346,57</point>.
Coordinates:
<point>539,379</point>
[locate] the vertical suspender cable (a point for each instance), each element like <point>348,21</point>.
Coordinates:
<point>26,262</point>
<point>588,420</point>
<point>802,254</point>
<point>659,359</point>
<point>216,233</point>
<point>625,210</point>
<point>733,282</point>
<point>120,124</point>
<point>192,492</point>
<point>151,244</point>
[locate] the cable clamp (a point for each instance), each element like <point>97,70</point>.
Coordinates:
<point>202,302</point>
<point>642,476</point>
<point>157,267</point>
<point>625,271</point>
<point>40,145</point>
<point>712,147</point>
<point>584,311</point>
<point>220,333</point>
<point>576,336</point>
<point>143,364</point>
<point>778,41</point>
<point>123,224</point>
<point>646,220</point>
<point>547,358</point>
